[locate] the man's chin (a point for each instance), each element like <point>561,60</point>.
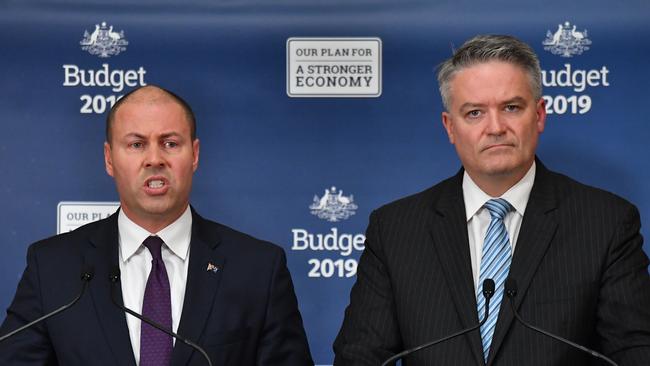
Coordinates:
<point>154,208</point>
<point>505,168</point>
<point>500,169</point>
<point>159,209</point>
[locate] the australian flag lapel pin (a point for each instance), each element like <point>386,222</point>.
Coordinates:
<point>212,267</point>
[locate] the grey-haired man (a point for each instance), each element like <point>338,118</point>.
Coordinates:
<point>574,251</point>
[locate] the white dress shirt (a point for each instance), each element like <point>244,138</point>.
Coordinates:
<point>478,217</point>
<point>135,265</point>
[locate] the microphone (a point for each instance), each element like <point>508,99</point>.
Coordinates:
<point>114,277</point>
<point>511,292</point>
<point>488,292</point>
<point>86,275</point>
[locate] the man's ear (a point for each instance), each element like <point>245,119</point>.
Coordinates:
<point>540,109</point>
<point>448,123</point>
<point>108,161</point>
<point>195,150</point>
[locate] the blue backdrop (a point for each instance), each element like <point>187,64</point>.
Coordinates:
<point>265,156</point>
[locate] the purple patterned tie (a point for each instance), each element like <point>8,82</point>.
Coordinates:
<point>156,346</point>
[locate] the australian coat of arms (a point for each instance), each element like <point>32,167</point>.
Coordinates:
<point>566,41</point>
<point>103,41</point>
<point>333,206</point>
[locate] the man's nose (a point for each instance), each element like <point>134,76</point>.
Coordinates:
<point>154,157</point>
<point>496,124</point>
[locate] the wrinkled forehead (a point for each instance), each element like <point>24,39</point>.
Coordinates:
<point>152,112</point>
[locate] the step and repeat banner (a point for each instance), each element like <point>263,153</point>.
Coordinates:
<point>309,115</point>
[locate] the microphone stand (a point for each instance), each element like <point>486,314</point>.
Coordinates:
<point>511,292</point>
<point>86,276</point>
<point>114,277</point>
<point>488,291</point>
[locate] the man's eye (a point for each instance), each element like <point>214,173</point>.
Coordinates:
<point>473,114</point>
<point>512,108</point>
<point>170,144</point>
<point>136,145</point>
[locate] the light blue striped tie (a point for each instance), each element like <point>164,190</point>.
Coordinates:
<point>495,264</point>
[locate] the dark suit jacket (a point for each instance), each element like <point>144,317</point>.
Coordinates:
<point>244,314</point>
<point>579,264</point>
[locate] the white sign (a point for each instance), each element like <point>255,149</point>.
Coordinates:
<point>71,215</point>
<point>333,67</point>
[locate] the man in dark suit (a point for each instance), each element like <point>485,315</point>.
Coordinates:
<point>230,293</point>
<point>574,251</point>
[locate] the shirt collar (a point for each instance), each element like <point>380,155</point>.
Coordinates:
<point>176,235</point>
<point>517,195</point>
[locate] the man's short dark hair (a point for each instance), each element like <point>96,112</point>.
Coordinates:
<point>189,114</point>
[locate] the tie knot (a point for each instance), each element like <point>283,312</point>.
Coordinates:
<point>498,208</point>
<point>154,244</point>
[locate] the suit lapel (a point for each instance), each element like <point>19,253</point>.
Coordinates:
<point>449,234</point>
<point>201,287</point>
<point>537,229</point>
<point>102,255</point>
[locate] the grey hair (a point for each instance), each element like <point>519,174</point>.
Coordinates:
<point>486,48</point>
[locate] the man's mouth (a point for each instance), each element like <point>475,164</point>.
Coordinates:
<point>490,147</point>
<point>155,183</point>
<point>156,186</point>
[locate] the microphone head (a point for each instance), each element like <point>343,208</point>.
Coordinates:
<point>114,274</point>
<point>511,287</point>
<point>488,288</point>
<point>87,272</point>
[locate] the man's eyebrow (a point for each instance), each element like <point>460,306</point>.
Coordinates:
<point>170,134</point>
<point>470,105</point>
<point>516,99</point>
<point>134,135</point>
<point>162,136</point>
